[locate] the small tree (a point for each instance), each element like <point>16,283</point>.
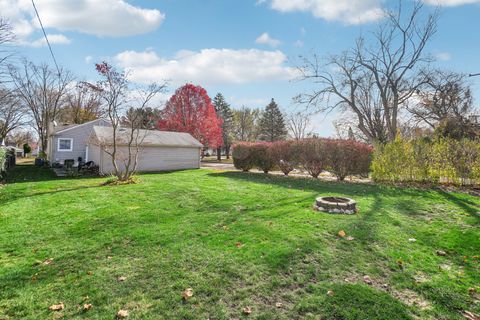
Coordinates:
<point>245,124</point>
<point>26,149</point>
<point>272,124</point>
<point>243,156</point>
<point>116,92</point>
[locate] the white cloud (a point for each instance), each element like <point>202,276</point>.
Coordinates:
<point>88,59</point>
<point>114,18</point>
<point>265,38</point>
<point>298,43</point>
<point>52,38</point>
<point>450,3</point>
<point>346,11</point>
<point>207,67</point>
<point>443,56</point>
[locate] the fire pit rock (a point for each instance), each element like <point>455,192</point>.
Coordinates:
<point>335,205</point>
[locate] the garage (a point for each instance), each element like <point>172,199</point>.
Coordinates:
<point>157,150</point>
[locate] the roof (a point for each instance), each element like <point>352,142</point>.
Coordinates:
<point>147,137</point>
<point>64,128</point>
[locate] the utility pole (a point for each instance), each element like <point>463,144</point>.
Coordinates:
<point>474,74</point>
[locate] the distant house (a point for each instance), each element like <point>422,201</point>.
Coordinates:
<point>91,141</point>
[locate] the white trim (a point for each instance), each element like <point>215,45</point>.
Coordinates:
<point>86,153</point>
<point>80,125</point>
<point>65,150</point>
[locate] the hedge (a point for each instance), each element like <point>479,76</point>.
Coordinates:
<point>313,155</point>
<point>442,160</point>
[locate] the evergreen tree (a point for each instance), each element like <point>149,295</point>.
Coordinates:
<point>225,113</point>
<point>272,124</point>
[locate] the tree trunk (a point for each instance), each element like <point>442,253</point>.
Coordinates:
<point>227,151</point>
<point>219,153</point>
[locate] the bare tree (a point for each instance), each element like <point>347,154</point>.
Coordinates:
<point>377,77</point>
<point>42,90</point>
<point>82,104</point>
<point>126,139</point>
<point>12,112</point>
<point>298,123</point>
<point>6,36</point>
<point>446,95</point>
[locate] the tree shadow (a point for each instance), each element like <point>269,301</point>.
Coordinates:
<point>466,205</point>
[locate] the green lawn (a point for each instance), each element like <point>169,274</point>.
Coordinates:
<point>238,240</point>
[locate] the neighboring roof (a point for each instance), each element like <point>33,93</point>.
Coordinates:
<point>147,137</point>
<point>64,128</point>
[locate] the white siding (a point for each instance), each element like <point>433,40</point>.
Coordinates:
<point>150,159</point>
<point>80,136</point>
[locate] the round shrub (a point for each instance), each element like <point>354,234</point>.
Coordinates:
<point>243,156</point>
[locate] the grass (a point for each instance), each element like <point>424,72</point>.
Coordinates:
<point>238,240</point>
<point>213,159</point>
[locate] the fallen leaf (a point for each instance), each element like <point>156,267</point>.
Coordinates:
<point>412,240</point>
<point>470,315</point>
<point>87,306</point>
<point>225,228</point>
<point>47,261</point>
<point>279,305</point>
<point>90,273</point>
<point>367,280</point>
<point>247,310</point>
<point>350,238</point>
<point>238,244</point>
<point>57,307</point>
<point>187,294</point>
<point>109,257</point>
<point>330,293</point>
<point>121,314</point>
<point>341,233</point>
<point>441,253</point>
<point>121,278</point>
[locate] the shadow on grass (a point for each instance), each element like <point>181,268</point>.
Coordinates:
<point>468,206</point>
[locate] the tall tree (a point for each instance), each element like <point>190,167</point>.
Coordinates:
<point>12,112</point>
<point>148,117</point>
<point>116,92</point>
<point>42,90</point>
<point>298,123</point>
<point>446,95</point>
<point>190,110</point>
<point>224,112</point>
<point>6,37</point>
<point>82,104</point>
<point>245,124</point>
<point>376,78</point>
<point>272,124</point>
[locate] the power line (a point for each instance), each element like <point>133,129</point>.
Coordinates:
<point>474,74</point>
<point>46,38</point>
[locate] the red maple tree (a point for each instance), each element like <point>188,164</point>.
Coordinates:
<point>191,110</point>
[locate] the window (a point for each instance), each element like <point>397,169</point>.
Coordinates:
<point>65,144</point>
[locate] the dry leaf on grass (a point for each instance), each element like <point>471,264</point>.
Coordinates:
<point>367,280</point>
<point>341,234</point>
<point>121,278</point>
<point>187,294</point>
<point>279,305</point>
<point>330,293</point>
<point>470,315</point>
<point>47,261</point>
<point>121,314</point>
<point>247,310</point>
<point>350,238</point>
<point>238,244</point>
<point>87,306</point>
<point>57,307</point>
<point>441,253</point>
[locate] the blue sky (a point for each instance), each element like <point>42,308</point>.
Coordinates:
<point>245,49</point>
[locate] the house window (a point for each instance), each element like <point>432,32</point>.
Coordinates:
<point>65,144</point>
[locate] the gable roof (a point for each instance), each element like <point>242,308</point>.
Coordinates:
<point>65,128</point>
<point>104,135</point>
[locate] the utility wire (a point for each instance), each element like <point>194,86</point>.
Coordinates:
<point>46,38</point>
<point>474,74</point>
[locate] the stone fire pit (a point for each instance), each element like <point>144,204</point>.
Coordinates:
<point>335,205</point>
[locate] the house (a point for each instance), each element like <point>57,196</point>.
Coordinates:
<point>92,141</point>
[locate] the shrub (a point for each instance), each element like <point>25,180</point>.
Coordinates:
<point>284,155</point>
<point>243,156</point>
<point>26,149</point>
<point>443,160</point>
<point>312,155</point>
<point>262,157</point>
<point>348,157</point>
